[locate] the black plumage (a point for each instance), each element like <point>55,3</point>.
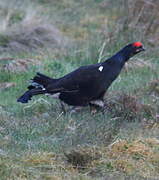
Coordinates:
<point>86,84</point>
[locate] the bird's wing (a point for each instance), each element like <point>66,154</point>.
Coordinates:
<point>81,78</point>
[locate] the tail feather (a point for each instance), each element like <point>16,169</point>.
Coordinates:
<point>39,86</point>
<point>25,97</point>
<point>28,95</point>
<point>42,80</point>
<point>36,91</point>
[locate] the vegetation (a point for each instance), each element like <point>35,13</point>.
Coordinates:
<point>37,141</point>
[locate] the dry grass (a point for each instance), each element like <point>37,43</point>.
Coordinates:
<point>23,28</point>
<point>28,38</point>
<point>6,85</point>
<point>122,141</point>
<point>154,87</point>
<point>137,157</point>
<point>128,107</point>
<point>138,64</point>
<point>130,157</point>
<point>19,65</point>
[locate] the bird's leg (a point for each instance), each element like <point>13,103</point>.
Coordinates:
<point>96,105</point>
<point>63,107</point>
<point>72,110</point>
<point>75,109</point>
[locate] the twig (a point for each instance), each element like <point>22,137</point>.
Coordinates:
<point>6,59</point>
<point>101,52</point>
<point>35,102</point>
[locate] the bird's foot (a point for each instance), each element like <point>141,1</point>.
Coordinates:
<point>97,106</point>
<point>75,109</point>
<point>93,110</point>
<point>63,108</point>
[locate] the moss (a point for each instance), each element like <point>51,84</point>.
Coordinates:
<point>16,17</point>
<point>4,40</point>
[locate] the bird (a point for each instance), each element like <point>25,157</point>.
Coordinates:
<point>86,85</point>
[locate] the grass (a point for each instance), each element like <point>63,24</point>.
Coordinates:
<point>38,142</point>
<point>39,127</point>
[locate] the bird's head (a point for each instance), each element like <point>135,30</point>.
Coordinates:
<point>131,49</point>
<point>135,48</point>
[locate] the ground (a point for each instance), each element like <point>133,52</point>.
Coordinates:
<point>37,141</point>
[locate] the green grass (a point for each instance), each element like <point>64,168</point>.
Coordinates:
<point>34,137</point>
<point>40,126</point>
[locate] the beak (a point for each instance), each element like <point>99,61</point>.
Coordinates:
<point>142,49</point>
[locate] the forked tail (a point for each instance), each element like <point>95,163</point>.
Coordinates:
<point>28,95</point>
<point>41,80</point>
<point>38,86</point>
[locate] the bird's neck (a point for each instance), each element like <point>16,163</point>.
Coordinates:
<point>120,57</point>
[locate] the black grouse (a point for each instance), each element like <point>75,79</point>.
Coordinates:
<point>85,85</point>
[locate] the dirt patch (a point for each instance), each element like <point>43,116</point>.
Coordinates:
<point>6,85</point>
<point>138,63</point>
<point>19,65</point>
<point>137,157</point>
<point>153,87</point>
<point>33,37</point>
<point>82,157</point>
<point>128,107</point>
